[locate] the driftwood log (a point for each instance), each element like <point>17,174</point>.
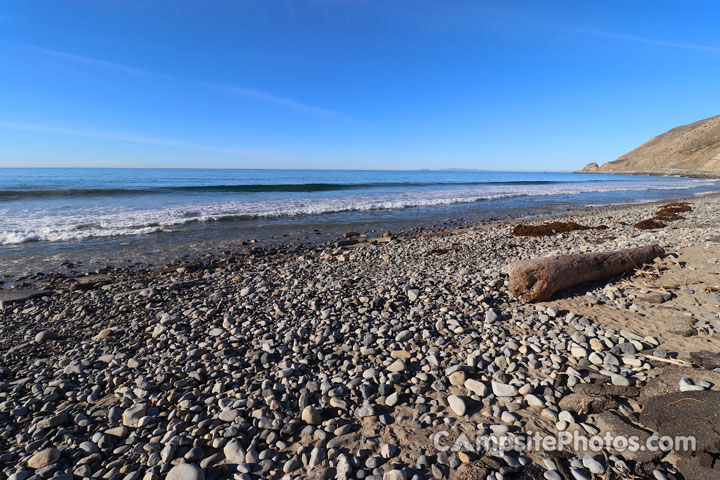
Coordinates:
<point>537,279</point>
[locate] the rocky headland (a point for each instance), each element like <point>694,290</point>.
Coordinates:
<point>689,150</point>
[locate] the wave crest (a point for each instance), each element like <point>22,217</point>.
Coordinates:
<point>87,222</point>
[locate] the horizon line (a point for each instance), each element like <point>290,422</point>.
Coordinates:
<point>456,170</point>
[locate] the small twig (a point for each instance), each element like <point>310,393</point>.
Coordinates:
<point>683,399</point>
<point>645,287</point>
<point>680,363</point>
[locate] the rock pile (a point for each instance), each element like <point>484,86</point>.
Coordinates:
<point>334,362</point>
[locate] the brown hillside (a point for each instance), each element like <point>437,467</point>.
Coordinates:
<point>692,150</point>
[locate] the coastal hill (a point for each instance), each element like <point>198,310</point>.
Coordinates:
<point>689,150</point>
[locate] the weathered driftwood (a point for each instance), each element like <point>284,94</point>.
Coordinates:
<point>537,279</point>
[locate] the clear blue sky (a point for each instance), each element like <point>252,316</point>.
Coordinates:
<point>349,84</point>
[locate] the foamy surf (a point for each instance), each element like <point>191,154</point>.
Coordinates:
<point>76,219</point>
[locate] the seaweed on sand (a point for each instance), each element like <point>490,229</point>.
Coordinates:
<point>551,229</point>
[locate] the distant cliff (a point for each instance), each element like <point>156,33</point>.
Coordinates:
<point>689,150</point>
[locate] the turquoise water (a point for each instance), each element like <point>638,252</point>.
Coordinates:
<point>56,213</point>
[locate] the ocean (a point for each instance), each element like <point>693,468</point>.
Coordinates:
<point>92,217</point>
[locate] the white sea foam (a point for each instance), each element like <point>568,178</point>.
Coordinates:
<point>102,221</point>
<point>702,194</point>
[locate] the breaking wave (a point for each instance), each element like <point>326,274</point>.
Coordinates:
<point>45,192</point>
<point>33,225</point>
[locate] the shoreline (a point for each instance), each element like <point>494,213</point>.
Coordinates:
<point>273,244</point>
<point>155,233</point>
<point>328,361</point>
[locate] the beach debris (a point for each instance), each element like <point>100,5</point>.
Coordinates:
<point>551,228</point>
<point>585,404</point>
<point>671,211</point>
<point>649,224</point>
<point>668,212</point>
<point>442,250</point>
<point>538,279</point>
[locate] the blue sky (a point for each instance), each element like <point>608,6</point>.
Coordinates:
<point>349,84</point>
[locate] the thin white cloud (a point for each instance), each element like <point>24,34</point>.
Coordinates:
<point>230,89</point>
<point>133,138</point>
<point>78,73</point>
<point>285,102</point>
<point>90,61</point>
<point>647,41</point>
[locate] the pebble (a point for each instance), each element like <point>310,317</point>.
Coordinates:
<point>457,404</point>
<point>566,417</point>
<point>404,336</point>
<point>593,465</point>
<point>291,465</point>
<point>659,475</point>
<point>19,475</point>
<point>312,415</point>
<point>229,415</point>
<point>476,387</point>
<point>186,471</point>
<point>388,450</point>
<point>53,421</point>
<point>457,378</point>
<point>131,417</point>
<point>366,410</point>
<point>397,366</point>
<point>578,352</point>
<point>317,455</point>
<point>508,417</point>
<point>44,458</point>
<point>619,380</point>
<point>687,385</point>
<point>595,359</point>
<point>395,475</point>
<point>503,389</point>
<point>534,401</point>
<point>234,452</point>
<point>45,335</point>
<point>578,474</point>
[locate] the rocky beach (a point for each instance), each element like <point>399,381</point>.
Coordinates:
<point>367,358</point>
